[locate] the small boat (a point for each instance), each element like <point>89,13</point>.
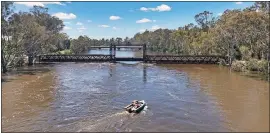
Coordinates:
<point>131,109</point>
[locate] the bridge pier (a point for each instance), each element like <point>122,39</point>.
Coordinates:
<point>114,53</point>
<point>111,56</point>
<point>144,52</point>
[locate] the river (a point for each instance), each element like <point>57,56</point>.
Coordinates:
<point>85,97</point>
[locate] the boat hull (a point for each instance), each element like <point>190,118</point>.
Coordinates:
<point>138,110</point>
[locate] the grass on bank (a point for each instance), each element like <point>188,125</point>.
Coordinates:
<point>64,52</point>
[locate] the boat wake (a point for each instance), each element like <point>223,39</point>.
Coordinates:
<point>121,121</point>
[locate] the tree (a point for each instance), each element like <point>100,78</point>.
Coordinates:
<point>80,45</point>
<point>262,6</point>
<point>205,20</point>
<point>126,40</point>
<point>119,40</point>
<point>28,33</point>
<point>33,34</point>
<point>8,49</point>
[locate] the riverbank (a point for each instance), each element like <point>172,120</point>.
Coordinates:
<point>253,67</point>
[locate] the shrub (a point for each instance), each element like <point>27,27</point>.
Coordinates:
<point>263,66</point>
<point>239,66</point>
<point>245,52</point>
<point>252,65</point>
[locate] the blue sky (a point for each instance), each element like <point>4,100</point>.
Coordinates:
<point>121,19</point>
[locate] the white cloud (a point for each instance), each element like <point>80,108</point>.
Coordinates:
<point>67,28</point>
<point>161,8</point>
<point>144,20</point>
<point>219,14</point>
<point>238,3</point>
<point>67,23</point>
<point>31,4</point>
<point>143,9</point>
<point>142,30</point>
<point>154,20</point>
<point>79,23</point>
<point>115,28</point>
<point>62,15</point>
<point>104,26</point>
<point>89,21</point>
<point>155,27</point>
<point>114,17</point>
<point>81,29</point>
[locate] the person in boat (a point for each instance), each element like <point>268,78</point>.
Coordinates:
<point>135,104</point>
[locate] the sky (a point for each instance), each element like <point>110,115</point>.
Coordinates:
<point>125,19</point>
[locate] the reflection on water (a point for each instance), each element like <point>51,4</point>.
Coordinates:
<point>91,96</point>
<point>123,52</point>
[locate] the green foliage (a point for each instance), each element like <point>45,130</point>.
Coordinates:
<point>240,34</point>
<point>239,66</point>
<point>28,34</point>
<point>64,52</point>
<point>245,52</point>
<point>80,45</point>
<point>257,65</point>
<point>251,65</point>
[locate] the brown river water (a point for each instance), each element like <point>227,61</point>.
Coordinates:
<point>85,97</point>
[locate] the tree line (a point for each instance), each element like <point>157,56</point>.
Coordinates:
<point>241,35</point>
<point>83,43</point>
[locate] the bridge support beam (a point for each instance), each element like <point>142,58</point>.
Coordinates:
<point>114,53</point>
<point>111,54</point>
<point>144,52</point>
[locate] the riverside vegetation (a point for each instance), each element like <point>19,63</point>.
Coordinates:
<point>242,35</point>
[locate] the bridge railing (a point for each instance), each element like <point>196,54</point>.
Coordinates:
<point>75,58</point>
<point>197,59</point>
<point>180,59</point>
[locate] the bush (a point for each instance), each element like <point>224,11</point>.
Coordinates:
<point>239,66</point>
<point>222,62</point>
<point>263,66</point>
<point>252,65</point>
<point>64,52</point>
<point>245,52</point>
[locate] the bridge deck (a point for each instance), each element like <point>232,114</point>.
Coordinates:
<point>128,59</point>
<point>75,58</point>
<point>184,59</point>
<point>119,46</point>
